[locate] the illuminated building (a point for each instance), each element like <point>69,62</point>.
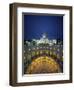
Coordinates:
<point>43,48</point>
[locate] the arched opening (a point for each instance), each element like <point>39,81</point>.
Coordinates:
<point>43,64</point>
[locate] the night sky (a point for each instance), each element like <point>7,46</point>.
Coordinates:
<point>36,25</point>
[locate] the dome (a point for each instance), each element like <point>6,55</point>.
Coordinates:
<point>43,40</point>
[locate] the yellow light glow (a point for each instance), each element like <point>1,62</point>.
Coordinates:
<point>43,64</point>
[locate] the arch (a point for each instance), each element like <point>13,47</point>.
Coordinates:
<point>43,64</point>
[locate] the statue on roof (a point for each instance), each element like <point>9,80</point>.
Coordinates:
<point>44,36</point>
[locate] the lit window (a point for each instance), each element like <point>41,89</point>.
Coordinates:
<point>37,52</point>
<point>33,53</point>
<point>41,52</point>
<point>29,57</point>
<point>29,49</point>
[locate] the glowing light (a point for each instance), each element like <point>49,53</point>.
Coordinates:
<point>43,64</point>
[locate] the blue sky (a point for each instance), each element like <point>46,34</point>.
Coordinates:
<point>36,25</point>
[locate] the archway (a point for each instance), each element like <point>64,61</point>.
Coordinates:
<point>43,64</point>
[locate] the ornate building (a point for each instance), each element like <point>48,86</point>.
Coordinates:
<point>45,40</point>
<point>43,56</point>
